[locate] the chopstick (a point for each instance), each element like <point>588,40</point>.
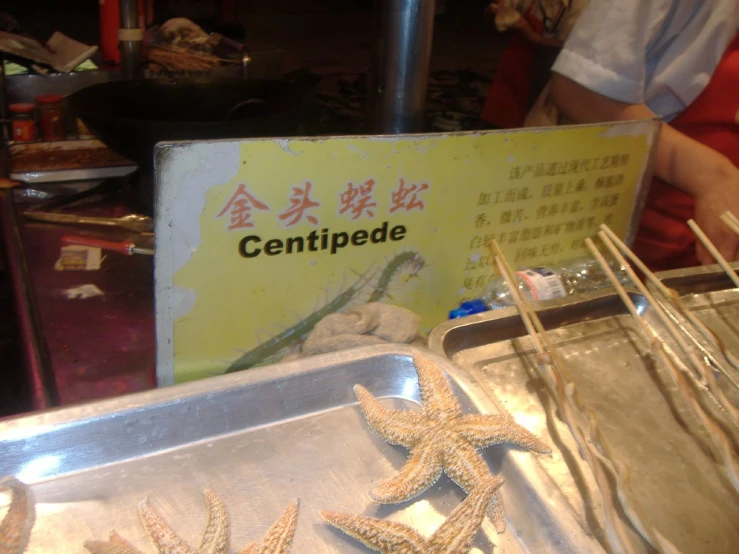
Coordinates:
<point>714,252</point>
<point>696,362</point>
<point>717,435</point>
<point>562,388</point>
<point>731,221</point>
<point>674,298</point>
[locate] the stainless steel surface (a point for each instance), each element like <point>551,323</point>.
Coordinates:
<point>402,66</point>
<point>24,88</point>
<point>719,311</point>
<point>259,438</point>
<point>131,50</point>
<point>35,355</point>
<point>264,64</point>
<point>73,175</point>
<point>115,167</point>
<point>132,222</point>
<point>692,280</point>
<point>640,412</point>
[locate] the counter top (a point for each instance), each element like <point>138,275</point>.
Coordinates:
<point>86,348</point>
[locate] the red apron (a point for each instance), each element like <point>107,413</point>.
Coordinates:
<point>507,102</point>
<point>664,240</point>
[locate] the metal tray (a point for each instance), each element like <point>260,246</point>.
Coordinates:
<point>640,412</point>
<point>259,438</point>
<point>89,167</point>
<point>708,292</point>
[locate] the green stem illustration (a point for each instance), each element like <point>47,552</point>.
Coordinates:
<point>270,349</point>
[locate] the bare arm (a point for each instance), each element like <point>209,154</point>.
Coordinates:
<point>684,163</point>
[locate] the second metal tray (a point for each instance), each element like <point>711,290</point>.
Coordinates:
<point>641,413</point>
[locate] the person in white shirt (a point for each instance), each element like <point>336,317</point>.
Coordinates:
<point>679,60</point>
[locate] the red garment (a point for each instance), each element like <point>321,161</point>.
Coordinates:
<point>664,240</point>
<point>508,100</point>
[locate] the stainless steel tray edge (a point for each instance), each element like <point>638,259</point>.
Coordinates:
<point>507,320</point>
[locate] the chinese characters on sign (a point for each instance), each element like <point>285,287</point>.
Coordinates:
<point>547,211</point>
<point>358,200</point>
<point>300,202</point>
<point>355,202</point>
<point>239,208</point>
<point>406,198</point>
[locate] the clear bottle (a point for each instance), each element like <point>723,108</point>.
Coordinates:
<point>575,276</point>
<point>544,283</point>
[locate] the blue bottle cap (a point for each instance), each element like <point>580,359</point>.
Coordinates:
<point>470,307</point>
<point>457,312</point>
<point>475,306</point>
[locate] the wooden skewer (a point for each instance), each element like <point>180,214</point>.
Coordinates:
<point>717,435</point>
<point>731,221</point>
<point>676,301</point>
<point>562,389</point>
<point>635,260</point>
<point>714,252</point>
<point>703,370</point>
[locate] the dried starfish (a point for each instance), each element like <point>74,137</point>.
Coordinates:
<point>440,440</point>
<point>216,539</point>
<point>279,537</point>
<point>453,537</point>
<point>15,529</point>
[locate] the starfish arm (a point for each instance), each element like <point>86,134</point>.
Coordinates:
<point>217,534</point>
<point>466,467</point>
<point>456,534</point>
<point>382,536</point>
<point>15,529</point>
<point>114,545</point>
<point>279,538</point>
<point>161,534</point>
<point>401,427</point>
<point>251,548</point>
<point>422,470</point>
<point>482,430</point>
<point>439,401</point>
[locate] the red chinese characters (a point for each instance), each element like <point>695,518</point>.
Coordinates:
<point>300,202</point>
<point>240,207</point>
<point>406,198</point>
<point>358,200</point>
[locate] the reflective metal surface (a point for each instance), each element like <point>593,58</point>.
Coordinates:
<point>402,65</point>
<point>694,280</point>
<point>259,438</point>
<point>639,410</point>
<point>42,389</point>
<point>719,311</point>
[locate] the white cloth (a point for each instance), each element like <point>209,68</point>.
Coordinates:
<point>366,325</point>
<point>661,53</point>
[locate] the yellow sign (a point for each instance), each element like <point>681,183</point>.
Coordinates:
<point>257,240</point>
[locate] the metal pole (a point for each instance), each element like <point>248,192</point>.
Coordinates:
<point>401,66</point>
<point>131,37</point>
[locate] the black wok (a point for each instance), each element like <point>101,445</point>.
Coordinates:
<point>130,117</point>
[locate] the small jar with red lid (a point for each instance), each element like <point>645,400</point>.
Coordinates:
<point>23,122</point>
<point>50,116</point>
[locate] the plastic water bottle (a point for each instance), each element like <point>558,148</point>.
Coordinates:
<point>543,283</point>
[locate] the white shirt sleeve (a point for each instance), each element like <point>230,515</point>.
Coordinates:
<point>606,51</point>
<point>661,53</point>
